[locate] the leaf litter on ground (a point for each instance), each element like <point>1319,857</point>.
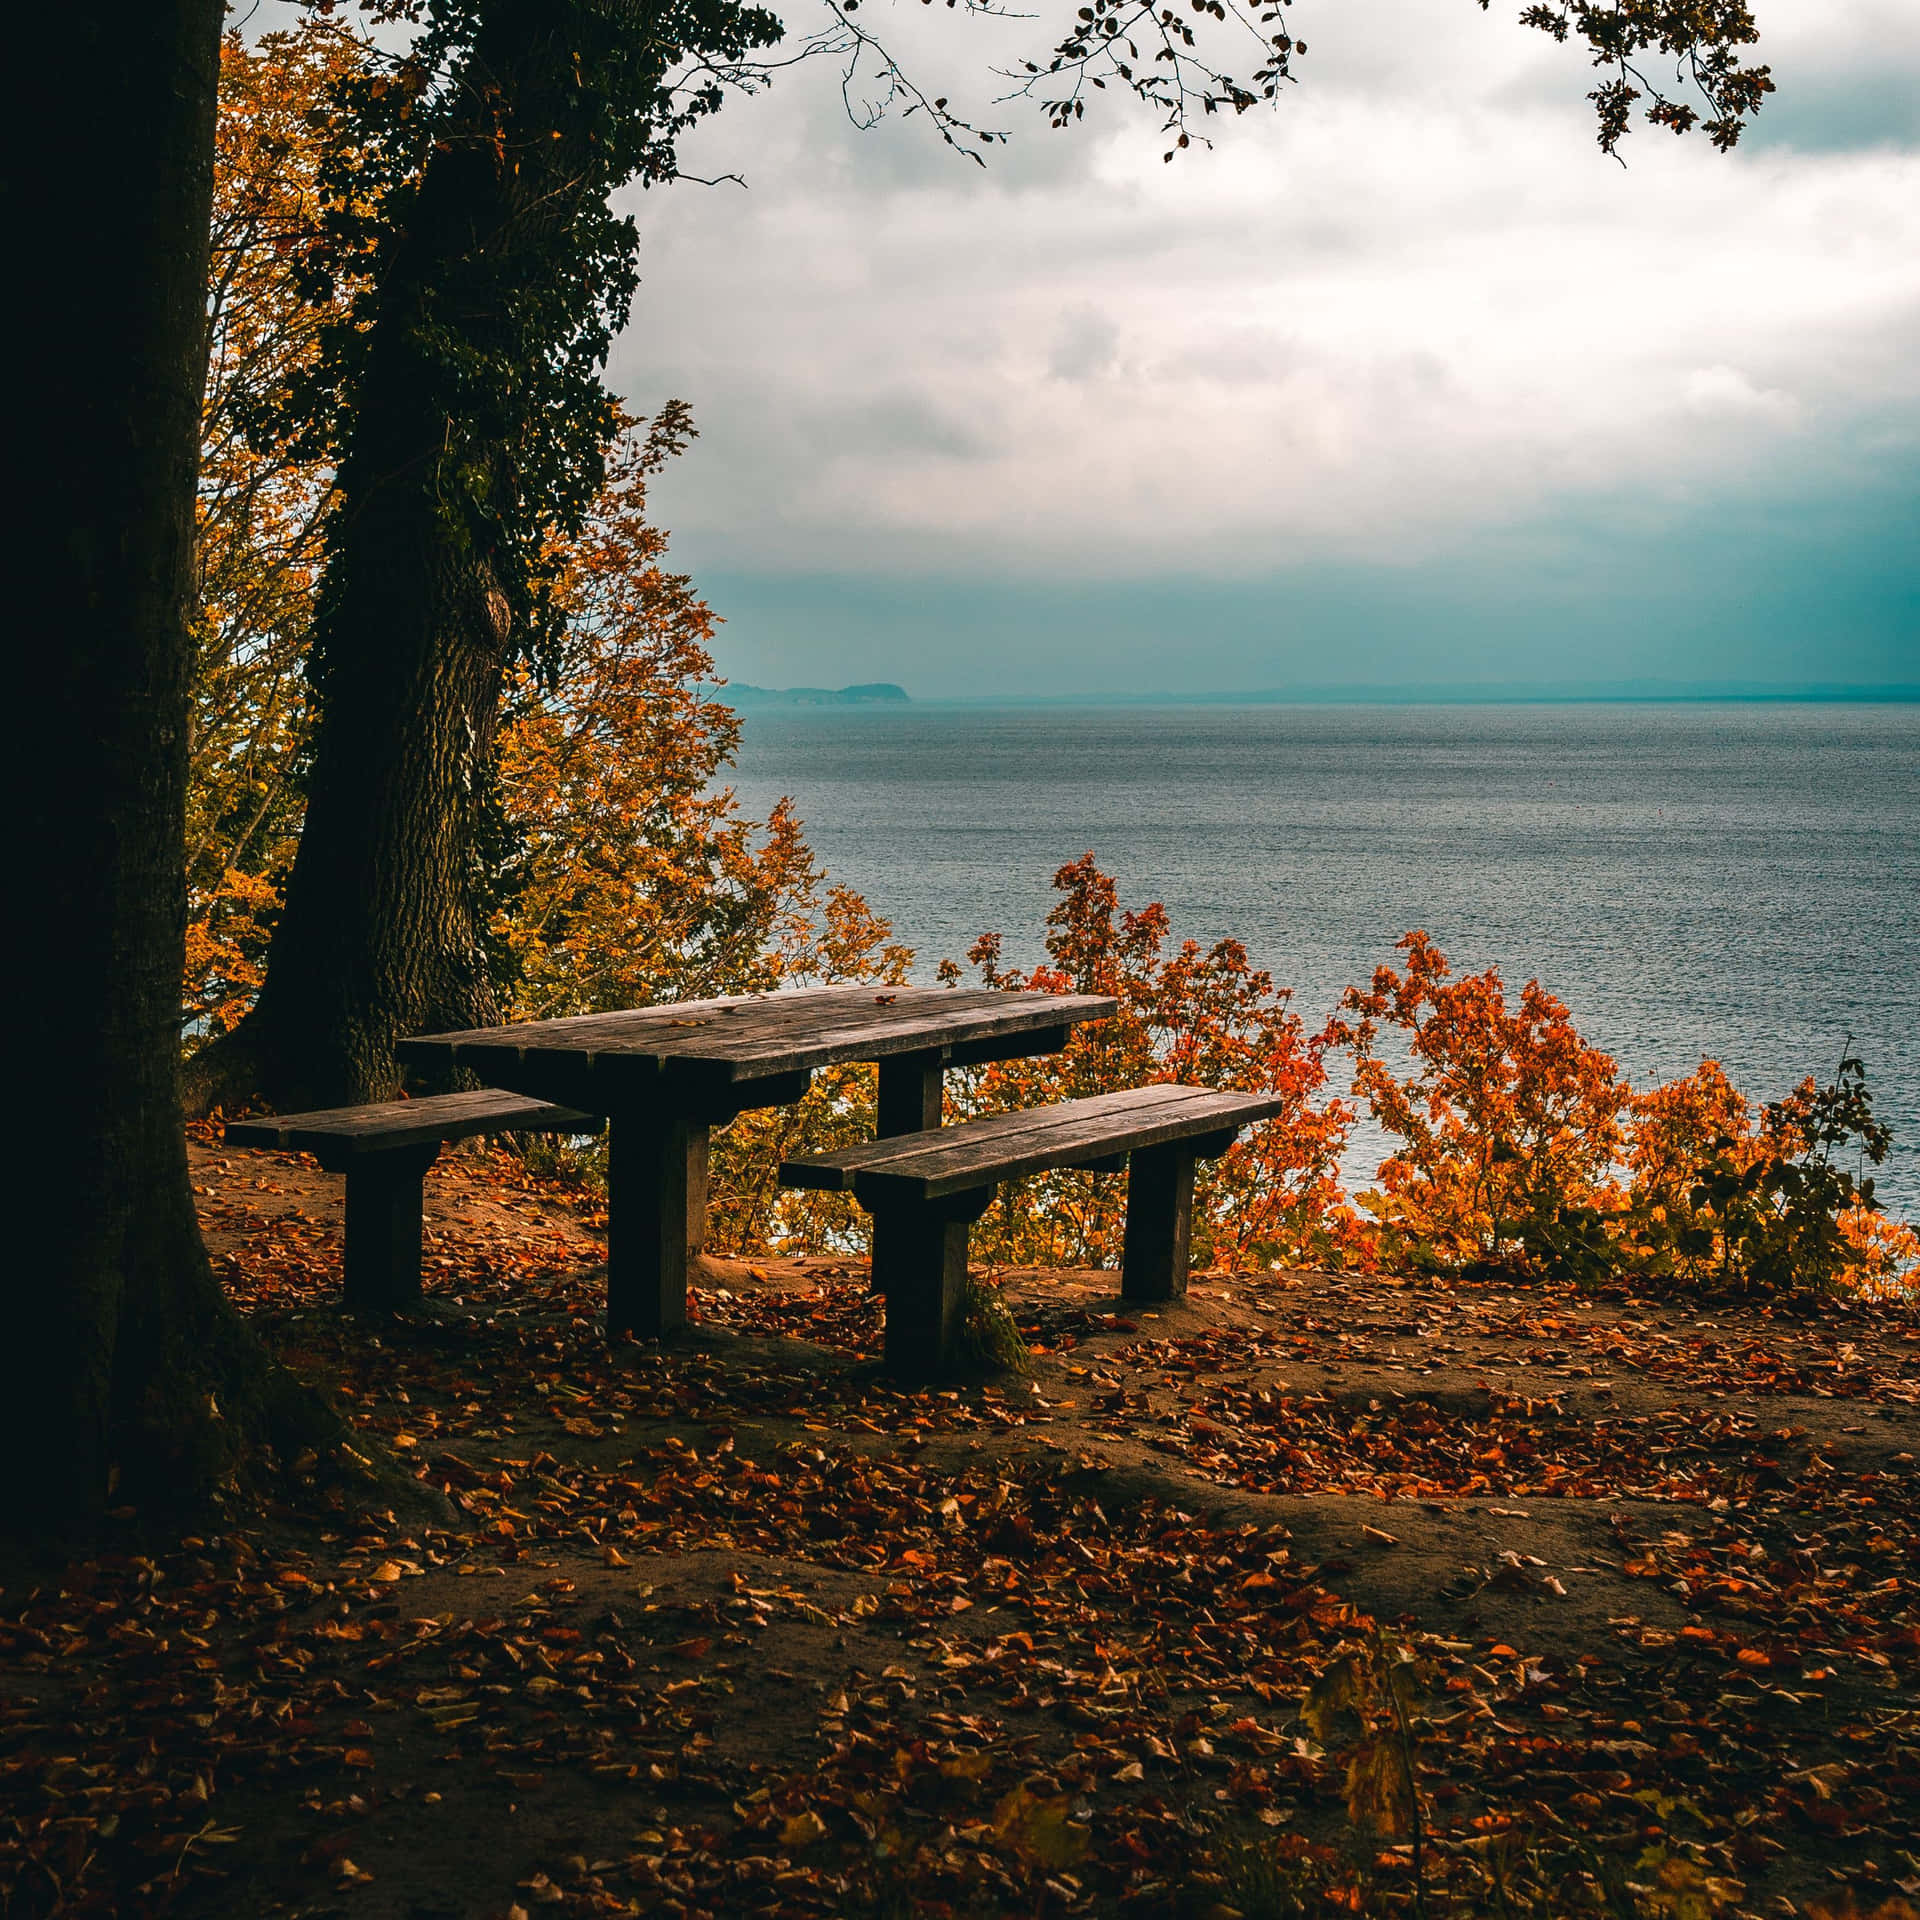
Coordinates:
<point>735,1626</point>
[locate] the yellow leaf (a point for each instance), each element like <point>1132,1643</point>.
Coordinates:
<point>803,1830</point>
<point>1336,1690</point>
<point>1039,1829</point>
<point>1377,1792</point>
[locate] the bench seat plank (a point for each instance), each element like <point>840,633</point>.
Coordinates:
<point>385,1148</point>
<point>1003,1146</point>
<point>386,1125</point>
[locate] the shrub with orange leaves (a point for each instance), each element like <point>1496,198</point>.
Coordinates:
<point>1773,1210</point>
<point>1523,1147</point>
<point>1508,1116</point>
<point>1674,1131</point>
<point>1205,1016</point>
<point>1881,1264</point>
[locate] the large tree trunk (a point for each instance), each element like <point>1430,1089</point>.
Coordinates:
<point>383,933</point>
<point>122,1362</point>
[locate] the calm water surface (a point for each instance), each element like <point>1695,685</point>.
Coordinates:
<point>1740,880</point>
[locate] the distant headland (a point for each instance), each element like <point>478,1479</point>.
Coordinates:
<point>737,693</point>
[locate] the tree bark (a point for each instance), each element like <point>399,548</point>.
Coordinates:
<point>382,933</point>
<point>123,1364</point>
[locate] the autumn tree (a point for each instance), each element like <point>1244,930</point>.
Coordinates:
<point>619,867</point>
<point>483,277</point>
<point>625,872</point>
<point>260,514</point>
<point>480,276</point>
<point>123,1364</point>
<point>1506,1114</point>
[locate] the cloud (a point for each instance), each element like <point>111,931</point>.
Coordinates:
<point>1085,345</point>
<point>1728,391</point>
<point>1410,317</point>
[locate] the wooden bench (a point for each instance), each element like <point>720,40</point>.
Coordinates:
<point>925,1189</point>
<point>385,1150</point>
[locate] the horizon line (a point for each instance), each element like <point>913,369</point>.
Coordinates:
<point>1640,693</point>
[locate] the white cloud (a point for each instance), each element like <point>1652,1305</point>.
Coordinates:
<point>1726,390</point>
<point>1412,304</point>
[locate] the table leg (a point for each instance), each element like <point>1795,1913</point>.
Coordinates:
<point>656,1190</point>
<point>381,1259</point>
<point>910,1102</point>
<point>909,1094</point>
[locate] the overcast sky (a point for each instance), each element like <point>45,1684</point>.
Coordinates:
<point>1402,384</point>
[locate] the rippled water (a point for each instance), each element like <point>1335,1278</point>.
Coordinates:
<point>1738,880</point>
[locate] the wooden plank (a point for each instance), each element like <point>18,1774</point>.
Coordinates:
<point>1004,1146</point>
<point>588,1032</point>
<point>834,1171</point>
<point>635,1029</point>
<point>741,1096</point>
<point>754,1037</point>
<point>1005,1130</point>
<point>747,1053</point>
<point>778,1016</point>
<point>1024,1045</point>
<point>608,1084</point>
<point>383,1126</point>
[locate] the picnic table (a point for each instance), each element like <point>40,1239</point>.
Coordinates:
<point>663,1076</point>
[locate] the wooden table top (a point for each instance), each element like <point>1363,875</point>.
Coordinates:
<point>710,1045</point>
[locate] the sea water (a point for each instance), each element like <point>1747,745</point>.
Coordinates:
<point>1739,880</point>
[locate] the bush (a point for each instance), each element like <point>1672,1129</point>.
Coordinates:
<point>1202,1016</point>
<point>1524,1149</point>
<point>1507,1117</point>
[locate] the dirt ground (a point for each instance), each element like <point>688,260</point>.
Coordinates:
<point>732,1626</point>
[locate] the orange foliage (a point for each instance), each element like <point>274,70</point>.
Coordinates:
<point>1674,1131</point>
<point>1522,1146</point>
<point>1206,1016</point>
<point>631,877</point>
<point>1507,1114</point>
<point>259,516</point>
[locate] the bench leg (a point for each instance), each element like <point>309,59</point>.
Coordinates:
<point>656,1199</point>
<point>920,1263</point>
<point>1153,1265</point>
<point>911,1087</point>
<point>381,1268</point>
